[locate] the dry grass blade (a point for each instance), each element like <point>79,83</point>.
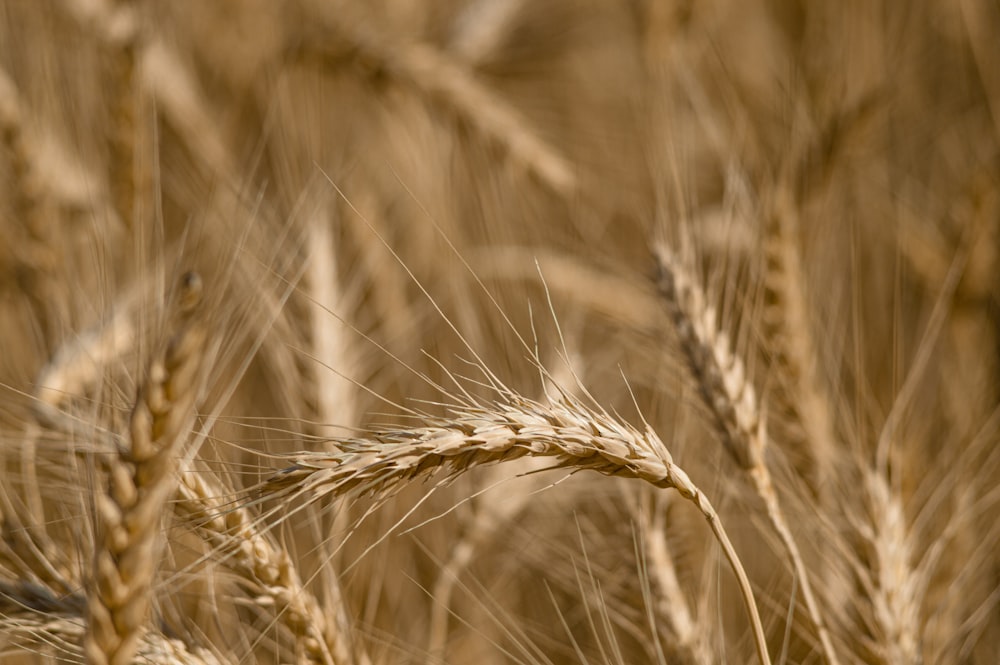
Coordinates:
<point>731,401</point>
<point>140,480</point>
<point>573,436</point>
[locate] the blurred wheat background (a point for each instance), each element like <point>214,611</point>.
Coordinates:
<point>317,317</point>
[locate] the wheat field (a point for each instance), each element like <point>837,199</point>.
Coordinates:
<point>494,331</point>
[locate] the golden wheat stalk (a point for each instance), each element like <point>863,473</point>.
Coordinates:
<point>731,401</point>
<point>448,83</point>
<point>489,519</point>
<point>892,585</point>
<point>567,432</point>
<point>267,571</point>
<point>788,333</point>
<point>140,480</point>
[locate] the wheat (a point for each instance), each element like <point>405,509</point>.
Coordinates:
<point>445,81</point>
<point>126,177</point>
<point>568,432</point>
<point>33,618</point>
<point>140,480</point>
<point>266,570</point>
<point>893,585</point>
<point>488,520</point>
<point>36,261</point>
<point>731,401</point>
<point>790,340</point>
<point>401,206</point>
<point>690,642</point>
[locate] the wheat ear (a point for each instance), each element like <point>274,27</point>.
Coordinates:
<point>140,480</point>
<point>790,342</point>
<point>689,643</point>
<point>266,571</point>
<point>489,518</point>
<point>892,585</point>
<point>474,434</point>
<point>732,404</point>
<point>37,256</point>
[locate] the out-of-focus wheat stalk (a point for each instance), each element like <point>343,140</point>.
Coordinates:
<point>33,619</point>
<point>447,82</point>
<point>731,402</point>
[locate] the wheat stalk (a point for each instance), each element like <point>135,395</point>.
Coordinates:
<point>791,344</point>
<point>451,85</point>
<point>892,585</point>
<point>140,480</point>
<point>572,435</point>
<point>267,571</point>
<point>731,402</point>
<point>37,256</point>
<point>489,518</point>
